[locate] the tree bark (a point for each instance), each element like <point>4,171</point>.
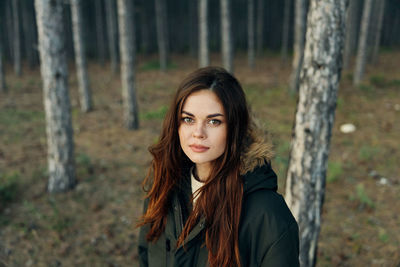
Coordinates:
<point>101,50</point>
<point>379,23</point>
<point>17,40</point>
<point>55,93</point>
<point>250,33</point>
<point>127,51</point>
<point>260,26</point>
<point>226,41</point>
<point>362,43</point>
<point>204,54</point>
<point>285,33</point>
<point>144,29</point>
<point>299,38</point>
<point>112,34</point>
<point>161,21</point>
<point>321,71</point>
<point>85,95</point>
<point>351,32</point>
<point>10,30</point>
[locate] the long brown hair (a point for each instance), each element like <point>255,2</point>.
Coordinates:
<point>221,196</point>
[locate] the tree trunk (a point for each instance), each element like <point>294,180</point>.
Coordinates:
<point>362,43</point>
<point>250,33</point>
<point>260,26</point>
<point>285,34</point>
<point>226,41</point>
<point>299,38</point>
<point>193,28</point>
<point>55,93</point>
<point>127,52</point>
<point>3,87</point>
<point>351,32</point>
<point>305,185</point>
<point>144,29</point>
<point>162,27</point>
<point>17,40</point>
<point>379,23</point>
<point>10,30</point>
<point>101,50</point>
<point>28,26</point>
<point>85,95</point>
<point>204,55</point>
<point>112,34</point>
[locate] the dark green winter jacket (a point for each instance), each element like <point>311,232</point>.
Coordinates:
<point>268,233</point>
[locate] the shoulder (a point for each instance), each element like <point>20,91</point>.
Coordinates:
<point>267,209</point>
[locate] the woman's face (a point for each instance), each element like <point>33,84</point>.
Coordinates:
<point>203,128</point>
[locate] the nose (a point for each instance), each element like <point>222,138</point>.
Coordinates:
<point>199,132</point>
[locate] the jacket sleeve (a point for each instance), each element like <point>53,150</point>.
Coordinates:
<point>143,244</point>
<point>284,252</point>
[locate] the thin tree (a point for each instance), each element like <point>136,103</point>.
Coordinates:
<point>101,49</point>
<point>298,45</point>
<point>375,47</point>
<point>204,55</point>
<point>362,43</point>
<point>28,32</point>
<point>285,31</point>
<point>162,29</point>
<point>250,33</point>
<point>351,32</point>
<point>321,71</point>
<point>53,64</point>
<point>85,95</point>
<point>127,52</point>
<point>112,34</point>
<point>17,40</point>
<point>3,86</point>
<point>226,34</point>
<point>260,26</point>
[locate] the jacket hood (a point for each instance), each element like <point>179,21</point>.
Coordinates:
<point>255,162</point>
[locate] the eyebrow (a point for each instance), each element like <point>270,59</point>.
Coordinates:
<point>208,116</point>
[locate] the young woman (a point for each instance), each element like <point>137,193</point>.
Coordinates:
<point>211,198</point>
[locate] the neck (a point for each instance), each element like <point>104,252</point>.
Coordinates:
<point>203,171</point>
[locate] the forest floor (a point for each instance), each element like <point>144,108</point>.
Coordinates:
<point>93,225</point>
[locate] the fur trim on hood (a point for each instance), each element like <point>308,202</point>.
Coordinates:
<point>257,150</point>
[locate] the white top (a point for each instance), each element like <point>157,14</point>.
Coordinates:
<point>195,186</point>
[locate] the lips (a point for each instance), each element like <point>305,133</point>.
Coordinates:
<point>198,148</point>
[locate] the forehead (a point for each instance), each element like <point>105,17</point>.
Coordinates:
<point>203,101</point>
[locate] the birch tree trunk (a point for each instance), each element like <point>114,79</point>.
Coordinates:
<point>17,41</point>
<point>85,95</point>
<point>162,41</point>
<point>260,26</point>
<point>351,32</point>
<point>298,48</point>
<point>362,43</point>
<point>250,33</point>
<point>226,41</point>
<point>112,34</point>
<point>305,185</point>
<point>127,51</point>
<point>3,87</point>
<point>375,49</point>
<point>100,32</point>
<point>55,93</point>
<point>285,34</point>
<point>204,56</point>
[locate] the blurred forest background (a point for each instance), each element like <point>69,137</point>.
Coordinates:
<point>124,61</point>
